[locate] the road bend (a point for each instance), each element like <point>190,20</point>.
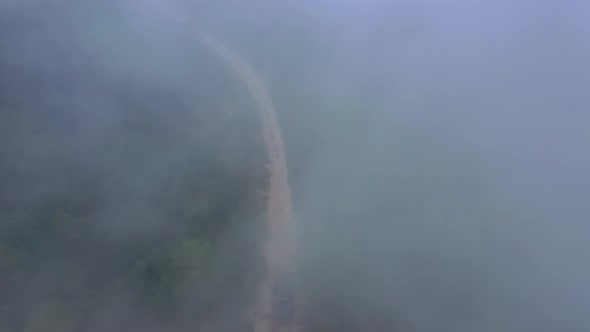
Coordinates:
<point>279,249</point>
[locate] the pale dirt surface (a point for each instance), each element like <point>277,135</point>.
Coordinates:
<point>280,247</point>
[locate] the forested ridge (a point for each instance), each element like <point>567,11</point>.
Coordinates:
<point>129,200</point>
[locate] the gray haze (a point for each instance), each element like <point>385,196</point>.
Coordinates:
<point>454,170</point>
<point>438,150</point>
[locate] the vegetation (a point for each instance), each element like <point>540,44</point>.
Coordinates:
<point>130,198</point>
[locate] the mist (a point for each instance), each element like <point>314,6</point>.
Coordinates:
<point>437,152</point>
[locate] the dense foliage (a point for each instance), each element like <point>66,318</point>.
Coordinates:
<point>131,194</point>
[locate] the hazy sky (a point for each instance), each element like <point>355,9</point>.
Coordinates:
<point>442,147</point>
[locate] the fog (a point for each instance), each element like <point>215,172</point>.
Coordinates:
<point>437,150</point>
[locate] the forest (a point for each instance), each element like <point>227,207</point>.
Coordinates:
<point>127,202</point>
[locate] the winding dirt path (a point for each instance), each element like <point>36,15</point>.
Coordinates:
<point>279,250</point>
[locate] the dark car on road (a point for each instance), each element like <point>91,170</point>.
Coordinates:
<point>283,302</point>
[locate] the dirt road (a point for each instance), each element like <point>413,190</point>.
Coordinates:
<point>280,247</point>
